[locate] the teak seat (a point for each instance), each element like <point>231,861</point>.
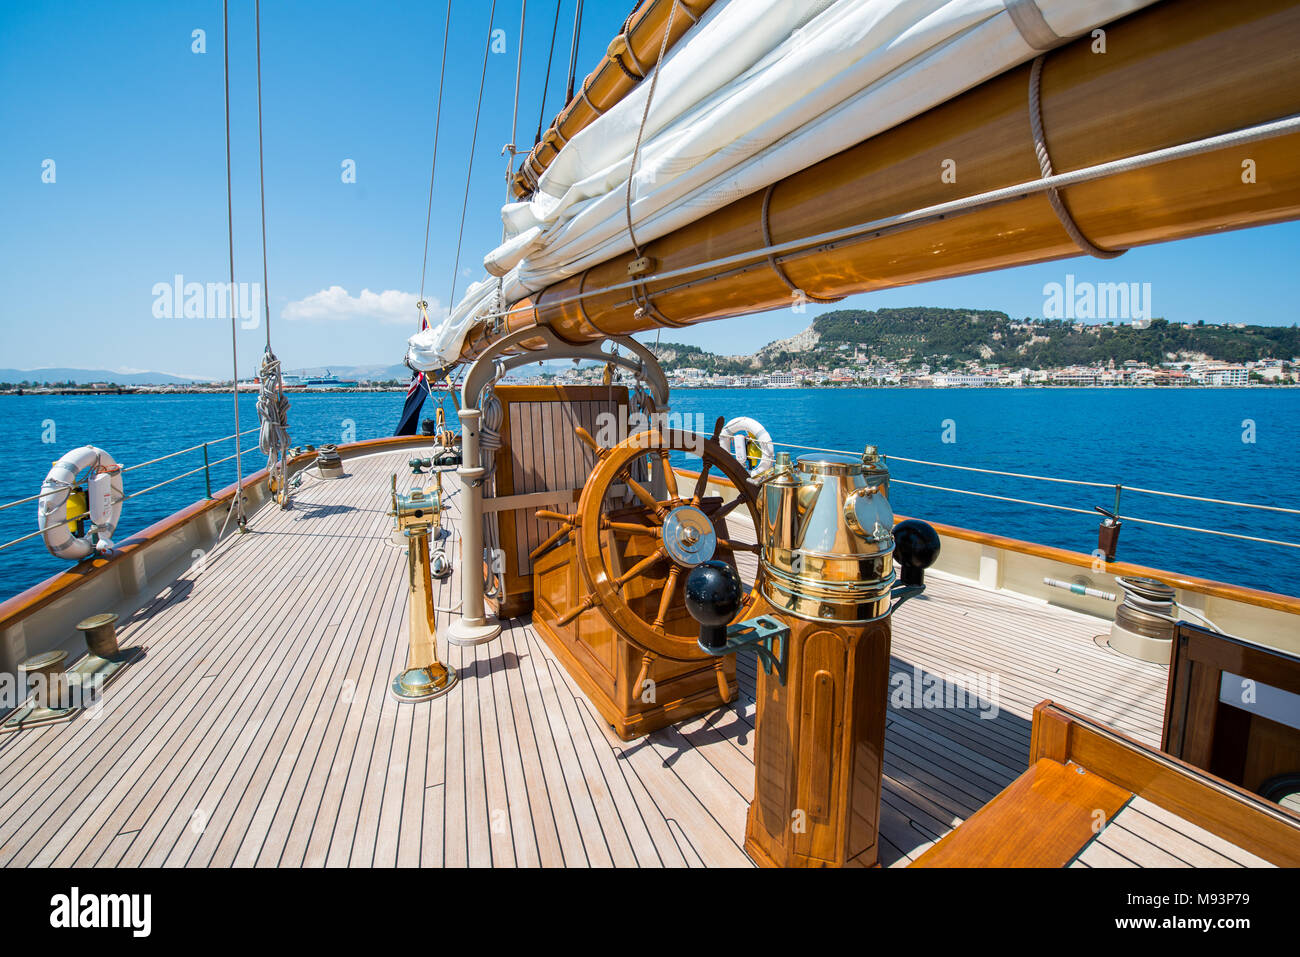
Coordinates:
<point>1082,775</point>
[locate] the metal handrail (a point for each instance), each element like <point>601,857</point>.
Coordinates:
<point>204,468</point>
<point>140,465</point>
<point>192,448</point>
<point>1068,508</point>
<point>1050,478</point>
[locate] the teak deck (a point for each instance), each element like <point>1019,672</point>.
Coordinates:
<point>257,729</point>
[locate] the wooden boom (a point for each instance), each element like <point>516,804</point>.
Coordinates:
<point>1171,74</point>
<point>631,54</point>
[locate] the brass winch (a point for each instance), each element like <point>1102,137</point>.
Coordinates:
<point>827,536</point>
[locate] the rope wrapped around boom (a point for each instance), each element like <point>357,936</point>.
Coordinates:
<point>273,414</point>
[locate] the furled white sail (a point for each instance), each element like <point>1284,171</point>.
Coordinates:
<point>755,92</point>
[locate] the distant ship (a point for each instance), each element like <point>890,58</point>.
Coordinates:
<point>326,381</point>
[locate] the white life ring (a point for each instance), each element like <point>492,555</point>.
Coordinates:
<point>104,496</point>
<point>736,433</point>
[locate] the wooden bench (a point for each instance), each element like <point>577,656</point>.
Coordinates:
<point>1081,774</point>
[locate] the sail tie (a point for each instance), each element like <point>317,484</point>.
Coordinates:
<point>582,304</point>
<point>586,99</point>
<point>617,48</point>
<point>646,307</point>
<point>1033,26</point>
<point>775,263</point>
<point>1045,164</point>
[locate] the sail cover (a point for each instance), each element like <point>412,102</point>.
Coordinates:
<point>756,91</point>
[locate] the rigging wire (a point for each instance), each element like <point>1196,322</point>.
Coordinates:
<point>242,520</point>
<point>469,174</point>
<point>573,52</point>
<point>645,115</point>
<point>433,167</point>
<point>261,175</point>
<point>272,406</point>
<point>541,112</point>
<point>514,114</point>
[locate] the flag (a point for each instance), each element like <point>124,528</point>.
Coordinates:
<point>410,420</point>
<point>409,424</point>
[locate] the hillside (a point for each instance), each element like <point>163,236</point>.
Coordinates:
<point>952,337</point>
<point>63,376</point>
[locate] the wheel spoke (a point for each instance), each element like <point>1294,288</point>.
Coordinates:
<point>702,482</point>
<point>549,542</point>
<point>639,490</point>
<point>587,440</point>
<point>670,477</point>
<point>632,528</point>
<point>639,567</point>
<point>666,600</point>
<point>725,510</point>
<point>738,546</point>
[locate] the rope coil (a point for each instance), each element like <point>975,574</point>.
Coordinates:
<point>1045,165</point>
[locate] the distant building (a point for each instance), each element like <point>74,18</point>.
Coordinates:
<point>945,380</point>
<point>1225,375</point>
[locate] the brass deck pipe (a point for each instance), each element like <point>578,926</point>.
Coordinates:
<point>425,676</point>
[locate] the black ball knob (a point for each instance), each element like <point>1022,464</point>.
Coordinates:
<point>713,596</point>
<point>916,547</point>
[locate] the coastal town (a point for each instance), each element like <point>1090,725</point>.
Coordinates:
<point>857,373</point>
<point>869,374</point>
<point>916,347</point>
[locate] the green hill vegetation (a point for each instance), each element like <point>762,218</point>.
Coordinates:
<point>948,338</point>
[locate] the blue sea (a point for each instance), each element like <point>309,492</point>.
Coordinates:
<point>1237,444</point>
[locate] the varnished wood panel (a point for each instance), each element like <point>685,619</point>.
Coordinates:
<point>541,453</point>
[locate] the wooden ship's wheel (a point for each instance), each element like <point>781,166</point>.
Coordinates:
<point>634,540</point>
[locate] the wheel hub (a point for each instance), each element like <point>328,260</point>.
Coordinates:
<point>689,537</point>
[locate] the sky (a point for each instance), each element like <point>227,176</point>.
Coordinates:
<point>112,102</point>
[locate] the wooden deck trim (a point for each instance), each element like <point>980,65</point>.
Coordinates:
<point>1267,830</point>
<point>1204,586</point>
<point>38,596</point>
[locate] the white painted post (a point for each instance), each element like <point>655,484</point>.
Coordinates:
<point>472,628</point>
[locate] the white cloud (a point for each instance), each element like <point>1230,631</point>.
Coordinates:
<point>334,303</point>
